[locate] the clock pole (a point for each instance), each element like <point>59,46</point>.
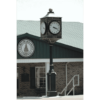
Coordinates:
<point>51,31</point>
<point>51,76</point>
<point>51,59</point>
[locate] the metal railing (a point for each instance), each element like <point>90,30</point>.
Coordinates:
<point>73,88</point>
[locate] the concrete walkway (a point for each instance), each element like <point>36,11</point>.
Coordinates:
<point>78,97</point>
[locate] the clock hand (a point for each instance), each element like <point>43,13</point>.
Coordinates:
<point>55,27</point>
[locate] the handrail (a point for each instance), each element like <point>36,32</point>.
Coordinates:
<point>70,90</point>
<point>72,79</point>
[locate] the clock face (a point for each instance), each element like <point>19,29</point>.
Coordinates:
<point>26,48</point>
<point>54,27</point>
<point>43,28</point>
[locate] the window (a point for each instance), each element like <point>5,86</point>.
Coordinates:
<point>40,77</point>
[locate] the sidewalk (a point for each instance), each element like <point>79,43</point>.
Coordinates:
<point>79,97</point>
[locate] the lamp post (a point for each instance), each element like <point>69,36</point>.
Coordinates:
<point>51,31</point>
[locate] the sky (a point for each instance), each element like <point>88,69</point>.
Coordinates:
<point>69,10</point>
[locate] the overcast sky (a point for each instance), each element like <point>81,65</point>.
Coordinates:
<point>69,10</point>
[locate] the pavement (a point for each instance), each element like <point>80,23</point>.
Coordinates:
<point>78,97</point>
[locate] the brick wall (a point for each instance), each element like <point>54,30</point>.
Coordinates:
<point>73,68</point>
<point>24,87</point>
<point>61,76</point>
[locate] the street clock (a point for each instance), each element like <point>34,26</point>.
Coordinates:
<point>50,28</point>
<point>51,31</point>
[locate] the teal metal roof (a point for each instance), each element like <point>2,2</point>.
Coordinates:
<point>72,32</point>
<point>42,49</point>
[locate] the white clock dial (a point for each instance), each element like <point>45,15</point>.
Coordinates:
<point>26,48</point>
<point>43,27</point>
<point>54,27</point>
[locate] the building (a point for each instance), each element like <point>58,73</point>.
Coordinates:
<point>33,58</point>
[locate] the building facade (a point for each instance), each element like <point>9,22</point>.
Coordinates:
<point>33,65</point>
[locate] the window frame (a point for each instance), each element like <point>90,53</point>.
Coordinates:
<point>36,67</point>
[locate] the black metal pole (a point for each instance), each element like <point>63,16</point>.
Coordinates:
<point>51,58</point>
<point>51,76</point>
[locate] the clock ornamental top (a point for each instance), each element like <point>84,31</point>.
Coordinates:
<point>50,14</point>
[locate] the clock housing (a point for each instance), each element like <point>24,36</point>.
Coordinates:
<point>49,35</point>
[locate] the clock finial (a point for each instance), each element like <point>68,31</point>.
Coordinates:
<point>50,11</point>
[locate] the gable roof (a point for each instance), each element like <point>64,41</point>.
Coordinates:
<point>27,35</point>
<point>72,32</point>
<point>42,48</point>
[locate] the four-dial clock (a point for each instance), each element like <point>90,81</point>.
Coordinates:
<point>54,27</point>
<point>43,27</point>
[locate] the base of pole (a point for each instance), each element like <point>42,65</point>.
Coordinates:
<point>51,93</point>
